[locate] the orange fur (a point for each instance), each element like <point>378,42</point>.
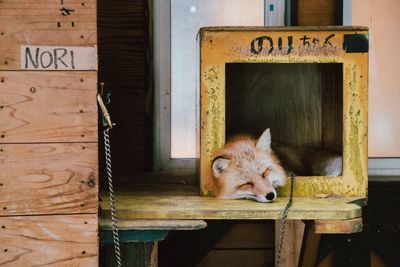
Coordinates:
<point>247,168</point>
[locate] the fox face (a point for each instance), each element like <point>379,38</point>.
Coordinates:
<point>247,168</point>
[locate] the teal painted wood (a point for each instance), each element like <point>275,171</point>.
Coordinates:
<point>126,236</point>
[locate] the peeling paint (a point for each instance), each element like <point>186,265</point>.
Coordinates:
<point>219,47</point>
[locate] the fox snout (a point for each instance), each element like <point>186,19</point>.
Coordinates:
<point>247,168</point>
<point>270,196</point>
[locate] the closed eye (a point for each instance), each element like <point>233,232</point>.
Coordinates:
<point>266,172</point>
<point>246,186</point>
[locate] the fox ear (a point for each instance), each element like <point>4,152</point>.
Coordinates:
<point>264,142</point>
<point>219,165</point>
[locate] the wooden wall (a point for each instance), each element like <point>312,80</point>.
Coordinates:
<point>48,133</point>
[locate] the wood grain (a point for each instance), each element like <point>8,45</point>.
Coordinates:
<point>315,13</point>
<point>292,242</point>
<point>28,22</point>
<point>172,202</point>
<point>48,107</point>
<point>332,107</point>
<point>310,245</point>
<point>339,226</point>
<point>48,179</point>
<point>283,97</point>
<point>181,225</point>
<point>135,254</point>
<point>49,241</point>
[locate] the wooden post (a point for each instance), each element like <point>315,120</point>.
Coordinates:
<point>291,244</point>
<point>309,249</point>
<point>139,254</point>
<point>338,226</point>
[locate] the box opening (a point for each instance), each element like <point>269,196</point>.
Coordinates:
<point>302,104</point>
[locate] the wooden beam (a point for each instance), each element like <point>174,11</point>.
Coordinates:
<point>338,226</point>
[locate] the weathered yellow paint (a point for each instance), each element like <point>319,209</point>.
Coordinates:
<point>219,46</point>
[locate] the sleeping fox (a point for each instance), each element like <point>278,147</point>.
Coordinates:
<point>248,168</point>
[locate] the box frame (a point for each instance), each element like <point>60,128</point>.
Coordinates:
<point>336,44</point>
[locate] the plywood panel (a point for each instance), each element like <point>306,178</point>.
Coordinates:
<point>48,22</point>
<point>48,107</point>
<point>49,241</point>
<point>48,179</point>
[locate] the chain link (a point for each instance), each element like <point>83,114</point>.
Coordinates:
<point>107,148</point>
<point>284,219</point>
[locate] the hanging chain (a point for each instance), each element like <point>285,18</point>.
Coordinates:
<point>107,148</point>
<point>284,219</point>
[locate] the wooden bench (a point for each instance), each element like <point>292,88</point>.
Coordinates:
<point>147,212</point>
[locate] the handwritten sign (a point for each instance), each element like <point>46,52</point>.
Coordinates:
<point>284,45</point>
<point>65,11</point>
<point>58,58</point>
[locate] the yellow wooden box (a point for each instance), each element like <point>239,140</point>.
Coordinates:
<point>343,50</point>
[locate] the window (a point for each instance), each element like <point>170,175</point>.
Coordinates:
<point>176,23</point>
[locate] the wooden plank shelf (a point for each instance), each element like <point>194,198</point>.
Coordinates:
<point>173,202</point>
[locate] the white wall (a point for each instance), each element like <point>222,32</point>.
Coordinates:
<point>382,17</point>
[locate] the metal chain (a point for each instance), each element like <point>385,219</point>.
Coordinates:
<point>107,148</point>
<point>284,219</point>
